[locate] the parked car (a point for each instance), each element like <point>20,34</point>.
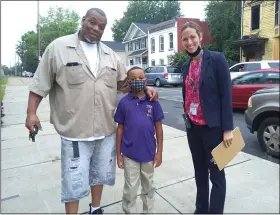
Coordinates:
<point>164,75</point>
<point>262,116</point>
<point>242,68</point>
<point>243,86</point>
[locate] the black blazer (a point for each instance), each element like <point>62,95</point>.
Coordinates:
<point>215,89</point>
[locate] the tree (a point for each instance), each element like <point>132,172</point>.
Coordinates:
<point>57,23</point>
<point>178,59</point>
<point>7,71</point>
<point>150,12</point>
<point>224,19</point>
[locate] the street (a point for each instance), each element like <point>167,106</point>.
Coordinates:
<point>170,99</point>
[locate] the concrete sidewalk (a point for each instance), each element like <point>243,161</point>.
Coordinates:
<point>30,172</point>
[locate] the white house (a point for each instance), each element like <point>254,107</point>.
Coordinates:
<point>162,42</point>
<point>135,41</point>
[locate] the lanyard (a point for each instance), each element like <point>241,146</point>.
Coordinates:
<point>196,73</point>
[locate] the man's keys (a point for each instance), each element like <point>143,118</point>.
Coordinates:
<point>33,134</point>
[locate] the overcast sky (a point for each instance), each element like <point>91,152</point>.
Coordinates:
<point>18,17</point>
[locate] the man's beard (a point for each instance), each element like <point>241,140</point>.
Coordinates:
<point>91,41</point>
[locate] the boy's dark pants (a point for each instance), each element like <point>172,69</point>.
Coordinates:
<point>202,140</point>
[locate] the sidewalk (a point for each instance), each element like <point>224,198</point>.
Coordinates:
<point>30,172</point>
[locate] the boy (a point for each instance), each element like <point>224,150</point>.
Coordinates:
<point>138,153</point>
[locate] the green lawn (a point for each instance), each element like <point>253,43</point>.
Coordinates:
<point>4,81</point>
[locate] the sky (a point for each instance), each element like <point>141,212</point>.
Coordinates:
<point>18,17</point>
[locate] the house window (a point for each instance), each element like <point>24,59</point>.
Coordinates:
<point>138,60</point>
<point>153,63</point>
<point>131,62</point>
<point>276,19</point>
<point>170,41</point>
<point>161,61</point>
<point>161,43</point>
<point>137,45</point>
<point>130,47</point>
<point>143,43</point>
<point>153,48</point>
<point>255,17</point>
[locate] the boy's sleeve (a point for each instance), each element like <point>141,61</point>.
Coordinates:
<point>120,113</point>
<point>157,112</point>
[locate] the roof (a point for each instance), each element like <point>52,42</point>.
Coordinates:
<point>143,26</point>
<point>116,46</point>
<point>162,25</point>
<point>138,52</point>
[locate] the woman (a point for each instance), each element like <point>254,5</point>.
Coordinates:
<point>208,104</point>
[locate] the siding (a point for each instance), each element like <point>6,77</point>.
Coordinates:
<point>267,9</point>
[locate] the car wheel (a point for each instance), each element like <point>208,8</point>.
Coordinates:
<point>268,136</point>
<point>157,83</point>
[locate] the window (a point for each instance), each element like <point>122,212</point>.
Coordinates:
<point>272,78</point>
<point>170,41</point>
<point>131,62</point>
<point>253,78</point>
<point>159,69</point>
<point>148,70</point>
<point>252,66</point>
<point>153,63</point>
<point>138,60</point>
<point>143,44</point>
<point>237,68</point>
<point>255,17</point>
<point>161,43</point>
<point>137,47</point>
<point>274,65</point>
<point>161,61</point>
<point>153,48</point>
<point>130,47</point>
<point>276,19</point>
<point>173,69</point>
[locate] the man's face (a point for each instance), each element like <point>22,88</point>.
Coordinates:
<point>93,27</point>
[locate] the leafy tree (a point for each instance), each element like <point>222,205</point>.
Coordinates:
<point>7,71</point>
<point>178,59</point>
<point>224,19</point>
<point>58,22</point>
<point>150,12</point>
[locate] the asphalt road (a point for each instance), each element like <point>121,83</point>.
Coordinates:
<point>170,99</point>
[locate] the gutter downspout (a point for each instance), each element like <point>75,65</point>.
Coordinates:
<point>241,28</point>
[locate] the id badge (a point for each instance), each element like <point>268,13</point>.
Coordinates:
<point>193,109</point>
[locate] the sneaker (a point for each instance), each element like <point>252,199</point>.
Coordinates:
<point>98,211</point>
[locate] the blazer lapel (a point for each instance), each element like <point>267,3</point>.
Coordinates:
<point>205,63</point>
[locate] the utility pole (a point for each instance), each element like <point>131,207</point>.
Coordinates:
<point>38,32</point>
<point>15,64</point>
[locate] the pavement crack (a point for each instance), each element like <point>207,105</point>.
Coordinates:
<point>168,202</point>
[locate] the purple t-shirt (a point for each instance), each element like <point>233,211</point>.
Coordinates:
<point>138,117</point>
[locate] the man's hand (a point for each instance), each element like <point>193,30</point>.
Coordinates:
<point>152,93</point>
<point>228,136</point>
<point>120,161</point>
<point>158,159</point>
<point>31,120</point>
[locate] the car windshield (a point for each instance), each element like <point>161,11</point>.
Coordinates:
<point>173,70</point>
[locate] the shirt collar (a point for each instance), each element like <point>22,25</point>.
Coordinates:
<point>131,96</point>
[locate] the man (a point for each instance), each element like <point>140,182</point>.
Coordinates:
<point>82,77</point>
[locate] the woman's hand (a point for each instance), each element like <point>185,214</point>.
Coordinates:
<point>228,136</point>
<point>152,93</point>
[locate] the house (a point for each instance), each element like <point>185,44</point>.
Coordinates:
<point>260,30</point>
<point>135,41</point>
<point>117,47</point>
<point>164,39</point>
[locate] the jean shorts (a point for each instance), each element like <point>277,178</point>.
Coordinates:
<point>86,163</point>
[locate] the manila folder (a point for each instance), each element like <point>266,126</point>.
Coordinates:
<point>222,155</point>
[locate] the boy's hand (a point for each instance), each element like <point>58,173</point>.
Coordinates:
<point>158,159</point>
<point>120,161</point>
